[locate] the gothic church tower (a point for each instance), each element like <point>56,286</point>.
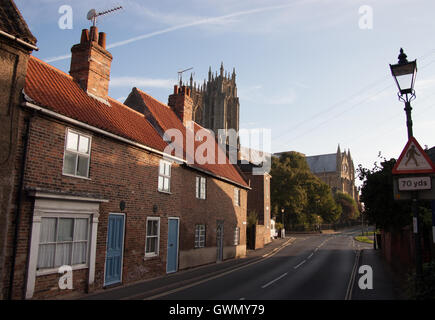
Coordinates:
<point>215,102</point>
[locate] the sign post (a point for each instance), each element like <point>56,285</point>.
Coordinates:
<point>414,172</point>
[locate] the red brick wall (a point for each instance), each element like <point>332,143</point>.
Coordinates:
<point>398,248</point>
<point>13,68</point>
<point>260,231</point>
<point>219,205</point>
<point>259,201</point>
<point>121,172</point>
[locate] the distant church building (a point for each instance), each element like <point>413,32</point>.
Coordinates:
<point>336,170</point>
<point>215,103</point>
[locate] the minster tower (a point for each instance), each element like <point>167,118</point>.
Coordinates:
<point>215,103</point>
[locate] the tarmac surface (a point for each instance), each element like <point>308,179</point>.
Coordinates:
<point>196,283</point>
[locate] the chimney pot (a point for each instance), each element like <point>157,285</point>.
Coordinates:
<point>102,39</point>
<point>85,36</point>
<point>94,34</point>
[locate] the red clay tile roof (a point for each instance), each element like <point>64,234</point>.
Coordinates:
<point>167,119</point>
<point>13,23</point>
<point>57,91</point>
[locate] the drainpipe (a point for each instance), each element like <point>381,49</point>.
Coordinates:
<point>18,205</point>
<point>24,43</point>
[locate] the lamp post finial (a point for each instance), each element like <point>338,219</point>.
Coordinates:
<point>402,57</point>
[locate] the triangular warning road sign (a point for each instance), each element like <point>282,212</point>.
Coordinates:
<point>413,159</point>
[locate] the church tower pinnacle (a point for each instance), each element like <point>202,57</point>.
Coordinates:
<point>217,106</point>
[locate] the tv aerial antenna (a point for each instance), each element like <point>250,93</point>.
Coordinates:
<point>93,14</point>
<point>180,75</point>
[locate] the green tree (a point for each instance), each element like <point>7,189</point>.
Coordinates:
<point>377,196</point>
<point>300,193</point>
<point>348,206</point>
<point>286,190</point>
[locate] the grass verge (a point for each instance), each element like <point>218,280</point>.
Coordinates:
<point>365,239</point>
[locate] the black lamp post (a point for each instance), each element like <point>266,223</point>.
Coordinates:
<point>404,73</point>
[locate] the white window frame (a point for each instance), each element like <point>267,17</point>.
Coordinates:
<point>236,236</point>
<point>201,188</point>
<point>54,269</point>
<point>53,205</point>
<point>77,153</point>
<point>164,176</point>
<point>237,197</point>
<point>156,253</point>
<point>200,238</point>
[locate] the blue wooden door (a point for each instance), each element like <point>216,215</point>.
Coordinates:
<point>172,258</point>
<point>115,246</point>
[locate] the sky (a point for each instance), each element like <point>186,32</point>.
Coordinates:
<point>313,72</point>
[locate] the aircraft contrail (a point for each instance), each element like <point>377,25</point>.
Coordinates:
<point>182,26</point>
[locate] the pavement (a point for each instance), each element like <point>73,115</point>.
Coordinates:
<point>154,287</point>
<point>385,285</point>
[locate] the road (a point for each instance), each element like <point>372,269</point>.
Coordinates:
<point>315,266</point>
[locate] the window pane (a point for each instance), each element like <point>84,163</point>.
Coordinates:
<point>81,230</point>
<point>237,196</point>
<point>84,144</point>
<point>48,230</point>
<point>79,253</point>
<point>72,141</point>
<point>82,166</point>
<point>197,187</point>
<point>63,254</point>
<point>167,169</point>
<point>199,236</point>
<point>203,188</point>
<point>160,183</point>
<point>152,228</point>
<point>149,228</point>
<point>65,229</point>
<point>69,163</point>
<point>162,168</point>
<point>236,236</point>
<point>151,245</point>
<point>46,255</point>
<point>166,184</point>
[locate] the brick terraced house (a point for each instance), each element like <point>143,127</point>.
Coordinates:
<point>16,44</point>
<point>100,191</point>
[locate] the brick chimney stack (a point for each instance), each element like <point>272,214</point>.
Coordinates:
<point>90,63</point>
<point>182,104</point>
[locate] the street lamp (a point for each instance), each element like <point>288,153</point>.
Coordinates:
<point>404,73</point>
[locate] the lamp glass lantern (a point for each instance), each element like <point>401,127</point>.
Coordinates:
<point>404,74</point>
